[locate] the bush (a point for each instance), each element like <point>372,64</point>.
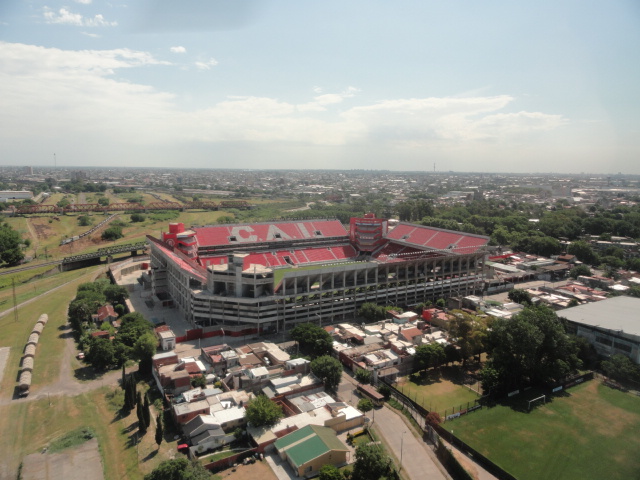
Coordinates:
<point>84,221</point>
<point>112,233</point>
<point>137,217</point>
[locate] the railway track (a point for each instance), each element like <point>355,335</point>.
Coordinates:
<point>30,267</point>
<point>103,252</point>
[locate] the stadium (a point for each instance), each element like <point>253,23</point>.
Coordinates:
<point>269,276</point>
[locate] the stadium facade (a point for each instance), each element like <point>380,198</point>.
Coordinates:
<point>270,276</point>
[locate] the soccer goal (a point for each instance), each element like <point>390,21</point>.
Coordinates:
<point>533,401</point>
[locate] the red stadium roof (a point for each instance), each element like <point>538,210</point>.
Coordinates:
<point>194,269</point>
<point>222,235</point>
<point>437,238</point>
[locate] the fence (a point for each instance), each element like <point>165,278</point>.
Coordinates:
<point>229,461</point>
<point>419,414</point>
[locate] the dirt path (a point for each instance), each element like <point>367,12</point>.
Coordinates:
<point>67,383</point>
<point>35,241</point>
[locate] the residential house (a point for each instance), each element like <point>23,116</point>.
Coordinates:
<point>311,447</point>
<point>105,313</point>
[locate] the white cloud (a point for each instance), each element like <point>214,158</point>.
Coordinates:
<point>212,62</point>
<point>92,35</point>
<point>320,101</point>
<point>178,49</point>
<point>84,2</point>
<point>66,17</point>
<point>56,95</point>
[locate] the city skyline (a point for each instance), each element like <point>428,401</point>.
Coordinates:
<point>542,88</point>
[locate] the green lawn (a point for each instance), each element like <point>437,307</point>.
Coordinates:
<point>590,433</point>
<point>438,391</point>
<point>48,353</point>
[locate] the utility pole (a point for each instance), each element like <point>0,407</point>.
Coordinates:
<point>15,302</point>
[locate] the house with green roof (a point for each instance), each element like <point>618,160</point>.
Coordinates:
<point>311,447</point>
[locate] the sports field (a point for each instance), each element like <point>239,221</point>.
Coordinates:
<point>592,432</point>
<point>439,390</point>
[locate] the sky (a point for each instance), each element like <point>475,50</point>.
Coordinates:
<point>464,86</point>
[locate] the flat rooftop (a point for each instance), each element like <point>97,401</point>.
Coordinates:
<point>617,313</point>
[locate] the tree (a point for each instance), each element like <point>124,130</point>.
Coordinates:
<point>101,354</point>
<point>365,405</point>
<point>371,463</point>
<point>104,201</point>
<point>313,339</point>
<point>263,412</point>
<point>469,332</point>
<point>199,381</point>
<point>620,367</point>
<point>142,426</point>
<point>428,355</point>
<point>583,252</point>
<point>112,233</point>
<point>451,354</point>
<point>580,271</point>
<point>145,346</point>
<point>363,376</point>
<point>383,389</point>
<point>179,469</point>
<point>137,217</point>
<point>330,472</point>
<point>84,220</point>
<point>132,327</point>
<point>79,312</point>
<point>327,369</point>
<point>10,241</point>
<point>433,419</point>
<point>146,411</point>
<point>159,430</point>
<point>532,348</point>
<point>115,294</point>
<point>130,393</point>
<point>520,296</point>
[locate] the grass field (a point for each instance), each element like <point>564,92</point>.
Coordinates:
<point>28,426</point>
<point>590,433</point>
<point>438,390</point>
<point>50,346</point>
<point>36,424</point>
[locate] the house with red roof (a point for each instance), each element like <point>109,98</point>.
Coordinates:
<point>106,313</point>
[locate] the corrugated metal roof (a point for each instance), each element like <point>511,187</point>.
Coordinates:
<point>308,443</point>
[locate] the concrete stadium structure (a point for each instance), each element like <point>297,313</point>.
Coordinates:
<point>270,276</point>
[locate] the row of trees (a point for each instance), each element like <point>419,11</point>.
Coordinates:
<point>134,339</point>
<point>133,398</point>
<point>530,349</point>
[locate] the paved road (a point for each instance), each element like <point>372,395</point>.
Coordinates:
<point>418,460</point>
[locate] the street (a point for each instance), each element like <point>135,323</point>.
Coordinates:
<point>418,461</point>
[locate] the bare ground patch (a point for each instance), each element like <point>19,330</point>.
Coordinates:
<point>79,463</point>
<point>258,470</point>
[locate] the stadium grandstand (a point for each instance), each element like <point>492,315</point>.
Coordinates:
<point>269,276</point>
